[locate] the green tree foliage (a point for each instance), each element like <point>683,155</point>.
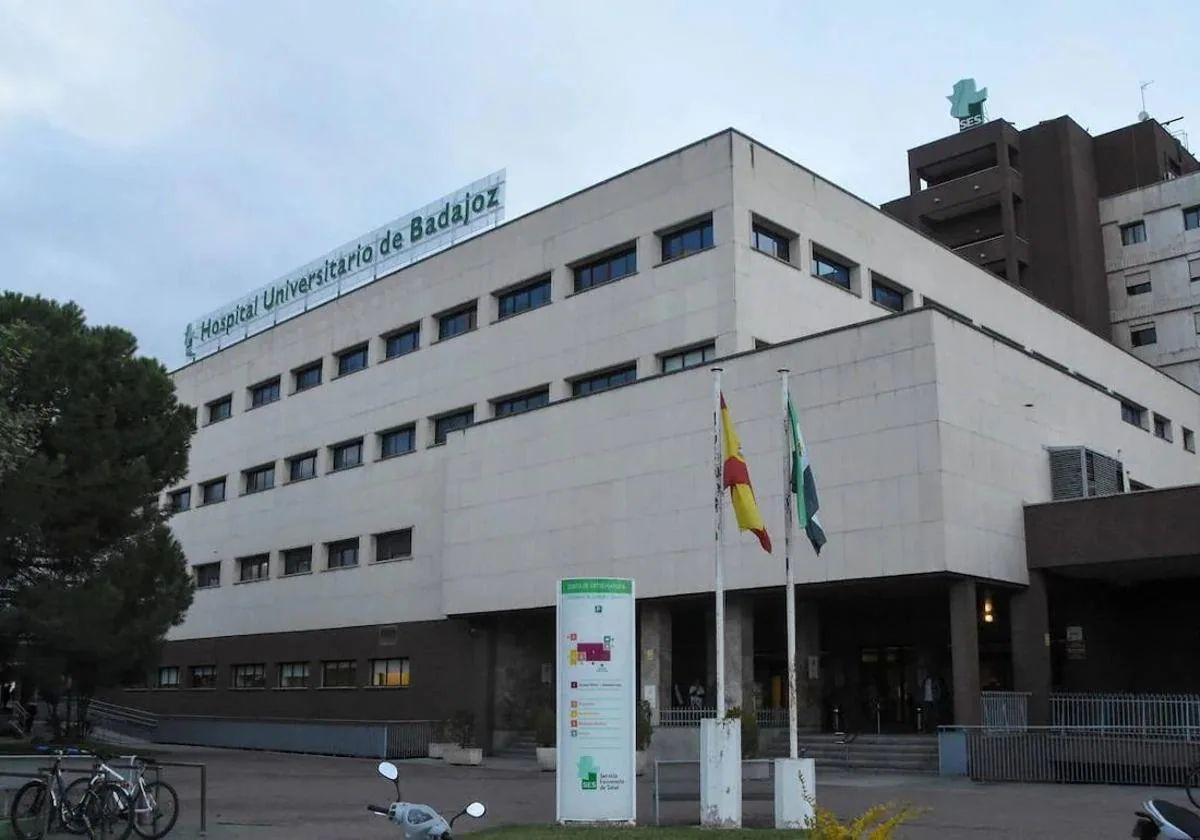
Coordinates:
<point>90,576</point>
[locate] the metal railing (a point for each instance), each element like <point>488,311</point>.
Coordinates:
<point>409,739</point>
<point>766,718</point>
<point>1005,709</point>
<point>1145,712</point>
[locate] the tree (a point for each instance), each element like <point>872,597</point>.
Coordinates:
<point>90,576</point>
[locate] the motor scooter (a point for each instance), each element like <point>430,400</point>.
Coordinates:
<point>1162,820</point>
<point>420,822</point>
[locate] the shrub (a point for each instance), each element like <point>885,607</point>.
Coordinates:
<point>749,729</point>
<point>879,822</point>
<point>462,728</point>
<point>545,727</point>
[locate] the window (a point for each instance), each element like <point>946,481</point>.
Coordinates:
<point>397,441</point>
<point>297,561</point>
<point>770,242</point>
<point>394,545</point>
<point>221,409</point>
<point>448,423</point>
<point>307,377</point>
<point>293,675</point>
<point>342,554</point>
<point>260,478</point>
<point>1191,218</point>
<point>1162,427</point>
<point>264,392</point>
<point>1189,439</point>
<point>521,402</point>
<point>404,341</point>
<point>250,676</point>
<point>1194,269</point>
<point>203,676</point>
<point>1133,233</point>
<point>389,673</point>
<point>885,294</point>
<point>687,240</point>
<point>827,268</point>
<point>354,359</point>
<point>213,491</point>
<point>688,358</point>
<point>1143,335</point>
<point>594,382</point>
<point>254,568</point>
<point>1137,284</point>
<point>339,673</point>
<point>606,269</point>
<point>168,676</point>
<point>303,466</point>
<point>1196,320</point>
<point>1134,414</point>
<point>523,298</point>
<point>208,575</point>
<point>346,455</point>
<point>179,500</point>
<point>459,321</point>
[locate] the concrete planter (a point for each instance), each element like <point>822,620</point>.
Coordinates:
<point>642,761</point>
<point>466,756</point>
<point>547,758</point>
<point>437,749</point>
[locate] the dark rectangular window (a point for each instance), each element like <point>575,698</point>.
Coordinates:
<point>448,423</point>
<point>303,466</point>
<point>168,676</point>
<point>827,268</point>
<point>769,242</point>
<point>254,568</point>
<point>603,381</point>
<point>521,402</point>
<point>1133,414</point>
<point>1189,439</point>
<point>339,673</point>
<point>293,675</point>
<point>342,553</point>
<point>208,575</point>
<point>1133,233</point>
<point>404,341</point>
<point>250,676</point>
<point>389,673</point>
<point>606,269</point>
<point>308,376</point>
<point>221,409</point>
<point>688,240</point>
<point>179,500</point>
<point>348,454</point>
<point>529,296</point>
<point>1162,427</point>
<point>203,676</point>
<point>459,321</point>
<point>688,358</point>
<point>260,478</point>
<point>265,392</point>
<point>212,492</point>
<point>397,441</point>
<point>1141,336</point>
<point>394,545</point>
<point>348,361</point>
<point>885,294</point>
<point>297,561</point>
<point>1137,284</point>
<point>1191,218</point>
<point>1194,269</point>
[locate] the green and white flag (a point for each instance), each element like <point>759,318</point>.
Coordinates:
<point>803,484</point>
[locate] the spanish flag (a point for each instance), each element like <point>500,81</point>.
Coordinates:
<point>737,479</point>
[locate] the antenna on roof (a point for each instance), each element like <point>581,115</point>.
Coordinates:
<point>1144,115</point>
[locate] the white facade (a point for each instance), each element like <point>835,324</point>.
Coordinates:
<point>1168,260</point>
<point>927,433</point>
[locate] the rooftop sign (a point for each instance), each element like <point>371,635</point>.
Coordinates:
<point>438,225</point>
<point>966,103</point>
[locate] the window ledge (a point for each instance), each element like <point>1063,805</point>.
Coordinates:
<point>252,580</point>
<point>437,341</point>
<point>262,405</point>
<point>510,316</point>
<point>337,688</point>
<point>343,469</point>
<point>171,688</point>
<point>397,356</point>
<point>209,504</point>
<point>386,687</point>
<point>395,455</point>
<point>595,286</point>
<point>683,257</point>
<point>256,492</point>
<point>887,309</point>
<point>203,588</point>
<point>290,687</point>
<point>439,443</point>
<point>298,480</point>
<point>774,258</point>
<point>391,560</point>
<point>215,422</point>
<point>338,376</point>
<point>296,574</point>
<point>339,568</point>
<point>247,688</point>
<point>296,391</point>
<point>835,285</point>
<point>201,688</point>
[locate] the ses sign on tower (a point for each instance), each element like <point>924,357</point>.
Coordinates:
<point>966,104</point>
<point>440,224</point>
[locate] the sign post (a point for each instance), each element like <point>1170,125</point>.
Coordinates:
<point>596,776</point>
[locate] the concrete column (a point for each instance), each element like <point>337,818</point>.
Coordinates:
<point>656,655</point>
<point>808,643</point>
<point>747,666</point>
<point>1030,627</point>
<point>964,652</point>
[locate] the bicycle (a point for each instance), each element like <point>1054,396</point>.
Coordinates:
<point>155,804</point>
<point>1191,784</point>
<point>102,812</point>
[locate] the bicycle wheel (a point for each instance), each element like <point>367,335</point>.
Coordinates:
<point>107,811</point>
<point>155,810</point>
<point>30,812</point>
<point>72,811</point>
<point>1192,783</point>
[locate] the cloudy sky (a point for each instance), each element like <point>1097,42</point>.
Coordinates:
<point>160,159</point>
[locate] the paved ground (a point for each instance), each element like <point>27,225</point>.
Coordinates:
<point>264,796</point>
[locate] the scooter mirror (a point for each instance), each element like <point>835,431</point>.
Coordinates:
<point>388,771</point>
<point>476,810</point>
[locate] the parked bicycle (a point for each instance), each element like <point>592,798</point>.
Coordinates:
<point>1192,785</point>
<point>155,803</point>
<point>101,811</point>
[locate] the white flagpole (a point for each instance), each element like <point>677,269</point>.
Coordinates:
<point>790,589</point>
<point>718,513</point>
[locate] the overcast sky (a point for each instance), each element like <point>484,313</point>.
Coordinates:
<point>160,159</point>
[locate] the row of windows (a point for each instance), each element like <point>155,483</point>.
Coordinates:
<point>1138,283</point>
<point>400,440</point>
<point>1135,232</point>
<point>1136,415</point>
<point>339,554</point>
<point>1146,334</point>
<point>392,672</point>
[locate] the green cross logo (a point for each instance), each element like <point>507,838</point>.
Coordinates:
<point>965,100</point>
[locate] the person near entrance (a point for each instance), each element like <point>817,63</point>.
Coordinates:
<point>696,695</point>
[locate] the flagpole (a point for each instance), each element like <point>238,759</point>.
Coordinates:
<point>790,589</point>
<point>718,514</point>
